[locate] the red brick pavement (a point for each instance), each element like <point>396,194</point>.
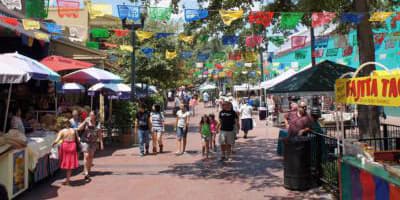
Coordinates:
<point>255,173</point>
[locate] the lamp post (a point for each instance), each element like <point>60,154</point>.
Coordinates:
<point>133,28</point>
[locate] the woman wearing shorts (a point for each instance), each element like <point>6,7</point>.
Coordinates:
<point>91,134</point>
<point>157,121</point>
<point>181,126</point>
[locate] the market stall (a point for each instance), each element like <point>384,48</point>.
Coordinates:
<point>369,171</point>
<point>22,151</point>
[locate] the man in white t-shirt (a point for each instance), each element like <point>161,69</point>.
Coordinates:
<point>206,98</point>
<point>246,118</point>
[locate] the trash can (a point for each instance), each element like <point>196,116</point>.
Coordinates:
<point>262,111</point>
<point>297,164</point>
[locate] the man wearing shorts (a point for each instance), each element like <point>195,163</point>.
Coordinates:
<point>228,119</point>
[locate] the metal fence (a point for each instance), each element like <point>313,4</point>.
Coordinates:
<point>325,152</point>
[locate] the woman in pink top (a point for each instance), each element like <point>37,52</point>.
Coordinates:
<point>213,127</point>
<point>192,104</point>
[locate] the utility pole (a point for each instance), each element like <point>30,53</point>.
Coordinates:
<point>133,64</point>
<point>312,36</point>
<point>261,52</point>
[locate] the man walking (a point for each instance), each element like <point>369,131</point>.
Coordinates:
<point>228,119</point>
<point>142,128</point>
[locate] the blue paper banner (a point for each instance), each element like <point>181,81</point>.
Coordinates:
<point>203,57</point>
<point>186,54</point>
<point>192,15</point>
<point>355,18</point>
<point>270,57</point>
<point>163,35</point>
<point>129,12</point>
<point>53,28</point>
<point>239,64</point>
<point>229,39</point>
<point>321,41</point>
<point>148,52</point>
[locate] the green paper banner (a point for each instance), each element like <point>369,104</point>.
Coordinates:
<point>277,40</point>
<point>209,65</point>
<point>300,54</point>
<point>219,56</point>
<point>203,38</point>
<point>92,45</point>
<point>100,33</point>
<point>36,9</point>
<point>161,14</point>
<point>290,20</point>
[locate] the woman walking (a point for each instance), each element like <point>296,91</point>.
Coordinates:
<point>157,122</point>
<point>246,118</point>
<point>205,132</point>
<point>181,126</point>
<point>68,152</point>
<point>91,134</point>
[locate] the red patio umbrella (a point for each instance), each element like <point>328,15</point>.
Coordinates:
<point>59,63</point>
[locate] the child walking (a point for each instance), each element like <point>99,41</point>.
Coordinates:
<point>213,128</point>
<point>205,133</point>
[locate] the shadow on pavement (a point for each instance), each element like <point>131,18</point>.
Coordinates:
<point>254,163</point>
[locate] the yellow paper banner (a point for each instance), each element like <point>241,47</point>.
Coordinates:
<point>30,24</point>
<point>128,48</point>
<point>374,90</point>
<point>380,16</point>
<point>250,56</point>
<point>169,55</point>
<point>41,36</point>
<point>228,16</point>
<point>143,35</point>
<point>221,74</point>
<point>99,10</point>
<point>186,38</point>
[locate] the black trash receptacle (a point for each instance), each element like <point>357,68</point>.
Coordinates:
<point>297,164</point>
<point>262,113</point>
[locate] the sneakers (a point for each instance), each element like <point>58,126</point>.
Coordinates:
<point>161,148</point>
<point>141,154</point>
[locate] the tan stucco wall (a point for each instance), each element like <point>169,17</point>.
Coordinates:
<point>82,20</point>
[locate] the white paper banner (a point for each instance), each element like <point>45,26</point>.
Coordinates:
<point>12,4</point>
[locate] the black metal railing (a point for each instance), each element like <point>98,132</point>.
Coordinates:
<point>324,160</point>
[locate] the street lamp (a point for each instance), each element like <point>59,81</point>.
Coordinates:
<point>133,27</point>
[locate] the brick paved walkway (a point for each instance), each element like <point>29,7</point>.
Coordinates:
<point>255,173</point>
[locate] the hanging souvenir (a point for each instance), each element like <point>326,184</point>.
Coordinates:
<point>169,55</point>
<point>68,8</point>
<point>380,16</point>
<point>109,45</point>
<point>100,10</point>
<point>41,36</point>
<point>290,20</point>
<point>228,16</point>
<point>30,24</point>
<point>322,18</point>
<point>354,18</point>
<point>261,17</point>
<point>253,41</point>
<point>298,41</point>
<point>192,15</point>
<point>92,45</point>
<point>160,14</point>
<point>143,35</point>
<point>229,39</point>
<point>186,38</point>
<point>148,52</point>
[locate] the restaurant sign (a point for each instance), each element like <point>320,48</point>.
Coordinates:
<point>372,90</point>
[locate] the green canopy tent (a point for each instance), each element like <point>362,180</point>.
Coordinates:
<point>316,80</point>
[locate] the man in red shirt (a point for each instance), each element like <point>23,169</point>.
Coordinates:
<point>300,122</point>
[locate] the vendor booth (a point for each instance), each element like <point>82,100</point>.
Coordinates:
<point>370,168</point>
<point>26,148</point>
